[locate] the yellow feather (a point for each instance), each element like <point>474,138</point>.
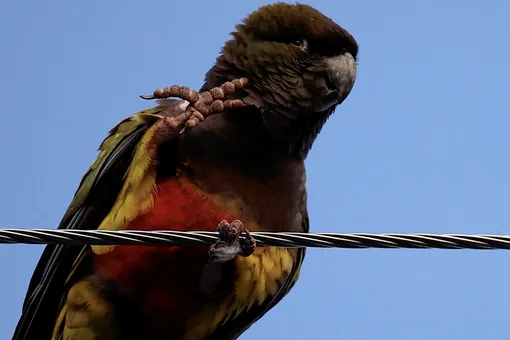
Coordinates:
<point>88,316</point>
<point>114,139</point>
<point>136,196</point>
<point>259,278</point>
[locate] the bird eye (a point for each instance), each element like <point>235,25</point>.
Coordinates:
<point>300,43</point>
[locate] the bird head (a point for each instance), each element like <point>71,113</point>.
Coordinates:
<point>300,65</point>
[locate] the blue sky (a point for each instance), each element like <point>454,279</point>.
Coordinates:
<point>420,145</point>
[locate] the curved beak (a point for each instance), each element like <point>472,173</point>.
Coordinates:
<point>341,72</point>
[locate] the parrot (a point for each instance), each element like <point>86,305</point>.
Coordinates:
<point>237,171</point>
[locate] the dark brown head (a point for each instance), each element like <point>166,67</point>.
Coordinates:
<point>300,64</point>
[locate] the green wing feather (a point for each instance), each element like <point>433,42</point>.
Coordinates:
<point>93,200</point>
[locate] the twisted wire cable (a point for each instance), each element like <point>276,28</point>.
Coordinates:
<point>264,239</point>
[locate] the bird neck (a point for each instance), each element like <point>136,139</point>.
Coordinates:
<point>293,136</point>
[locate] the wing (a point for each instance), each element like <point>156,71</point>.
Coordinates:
<point>232,328</point>
<point>124,170</point>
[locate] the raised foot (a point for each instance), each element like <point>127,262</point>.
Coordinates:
<point>201,104</point>
<point>225,249</point>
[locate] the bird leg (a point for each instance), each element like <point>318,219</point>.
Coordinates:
<point>230,244</point>
<point>201,104</point>
<point>225,249</point>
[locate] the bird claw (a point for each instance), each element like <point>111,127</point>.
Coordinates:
<point>230,244</point>
<point>201,104</point>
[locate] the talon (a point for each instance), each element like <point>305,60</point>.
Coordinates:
<point>248,244</point>
<point>230,244</point>
<point>201,104</point>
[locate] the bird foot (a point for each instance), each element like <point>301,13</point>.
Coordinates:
<point>230,244</point>
<point>225,249</point>
<point>201,104</point>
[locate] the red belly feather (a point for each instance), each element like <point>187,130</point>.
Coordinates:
<point>164,279</point>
